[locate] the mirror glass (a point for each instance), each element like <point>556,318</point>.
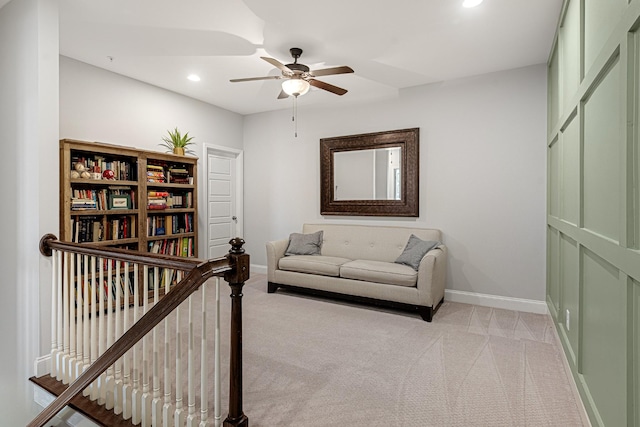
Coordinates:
<point>367,174</point>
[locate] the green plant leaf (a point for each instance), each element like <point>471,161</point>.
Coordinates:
<point>176,139</point>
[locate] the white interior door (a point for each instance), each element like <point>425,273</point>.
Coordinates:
<point>222,217</point>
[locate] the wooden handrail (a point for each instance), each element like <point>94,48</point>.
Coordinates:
<point>50,242</point>
<point>234,267</point>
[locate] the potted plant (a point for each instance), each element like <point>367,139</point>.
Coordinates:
<point>176,142</point>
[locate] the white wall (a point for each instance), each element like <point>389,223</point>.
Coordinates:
<point>98,105</point>
<point>28,184</point>
<point>482,174</point>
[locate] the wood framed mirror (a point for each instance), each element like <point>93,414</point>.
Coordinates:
<point>371,174</point>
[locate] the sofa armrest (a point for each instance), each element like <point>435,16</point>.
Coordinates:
<point>275,251</point>
<point>431,277</point>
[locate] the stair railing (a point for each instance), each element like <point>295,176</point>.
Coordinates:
<point>107,305</point>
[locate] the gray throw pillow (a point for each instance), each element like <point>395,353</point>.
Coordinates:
<point>304,244</point>
<point>414,251</point>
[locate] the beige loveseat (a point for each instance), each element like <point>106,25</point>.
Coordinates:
<point>357,263</point>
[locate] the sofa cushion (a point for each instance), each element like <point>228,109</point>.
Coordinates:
<point>415,250</point>
<point>313,264</point>
<point>379,272</point>
<point>304,244</point>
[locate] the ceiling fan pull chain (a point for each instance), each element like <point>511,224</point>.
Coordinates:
<point>295,114</point>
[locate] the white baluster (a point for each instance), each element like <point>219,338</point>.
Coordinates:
<point>78,367</point>
<point>216,361</point>
<point>110,381</point>
<point>55,290</point>
<point>66,326</point>
<point>192,420</point>
<point>71,361</point>
<point>179,415</point>
<point>58,360</point>
<point>146,396</point>
<point>156,403</point>
<point>204,377</point>
<point>136,394</point>
<point>95,288</point>
<point>104,290</point>
<point>126,383</point>
<point>117,390</point>
<point>167,407</point>
<point>86,304</point>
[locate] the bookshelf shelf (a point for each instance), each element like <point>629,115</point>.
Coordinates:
<point>102,182</point>
<point>168,185</point>
<point>115,242</point>
<point>169,236</point>
<point>169,211</point>
<point>91,212</point>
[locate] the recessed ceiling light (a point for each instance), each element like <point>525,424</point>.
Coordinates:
<point>471,3</point>
<point>194,77</point>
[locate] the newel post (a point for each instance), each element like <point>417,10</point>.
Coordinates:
<point>236,279</point>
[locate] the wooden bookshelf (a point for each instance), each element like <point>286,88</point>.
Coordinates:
<point>119,212</point>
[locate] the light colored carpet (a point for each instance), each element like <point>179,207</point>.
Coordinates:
<point>318,362</point>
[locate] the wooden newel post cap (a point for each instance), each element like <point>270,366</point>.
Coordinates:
<point>44,244</point>
<point>236,246</point>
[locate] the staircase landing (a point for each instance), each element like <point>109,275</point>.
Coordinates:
<point>90,409</point>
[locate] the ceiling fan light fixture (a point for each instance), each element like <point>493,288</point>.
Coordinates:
<point>295,87</point>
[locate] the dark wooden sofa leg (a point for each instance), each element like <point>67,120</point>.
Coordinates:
<point>426,313</point>
<point>271,287</point>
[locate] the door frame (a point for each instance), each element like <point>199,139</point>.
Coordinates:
<point>238,156</point>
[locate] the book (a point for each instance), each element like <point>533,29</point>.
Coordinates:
<point>97,231</point>
<point>185,247</point>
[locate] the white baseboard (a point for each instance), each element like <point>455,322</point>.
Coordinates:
<point>42,365</point>
<point>496,301</point>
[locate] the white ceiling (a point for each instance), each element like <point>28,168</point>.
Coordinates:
<point>390,44</point>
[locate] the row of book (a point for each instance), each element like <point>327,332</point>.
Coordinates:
<point>108,284</point>
<point>155,173</point>
<point>163,225</point>
<point>158,200</point>
<point>182,246</point>
<point>95,229</point>
<point>166,276</point>
<point>86,199</point>
<point>122,170</point>
<point>179,176</point>
<point>182,200</point>
<point>160,172</point>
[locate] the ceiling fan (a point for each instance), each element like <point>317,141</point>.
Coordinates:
<point>298,77</point>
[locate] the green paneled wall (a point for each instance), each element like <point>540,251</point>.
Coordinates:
<point>570,205</point>
<point>602,145</point>
<point>553,266</point>
<point>635,309</point>
<point>603,329</point>
<point>570,37</point>
<point>593,269</point>
<point>600,19</point>
<point>570,294</point>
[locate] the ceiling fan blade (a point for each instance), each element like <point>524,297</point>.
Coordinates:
<point>279,65</point>
<point>330,71</point>
<point>283,95</point>
<point>249,79</point>
<point>328,87</point>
